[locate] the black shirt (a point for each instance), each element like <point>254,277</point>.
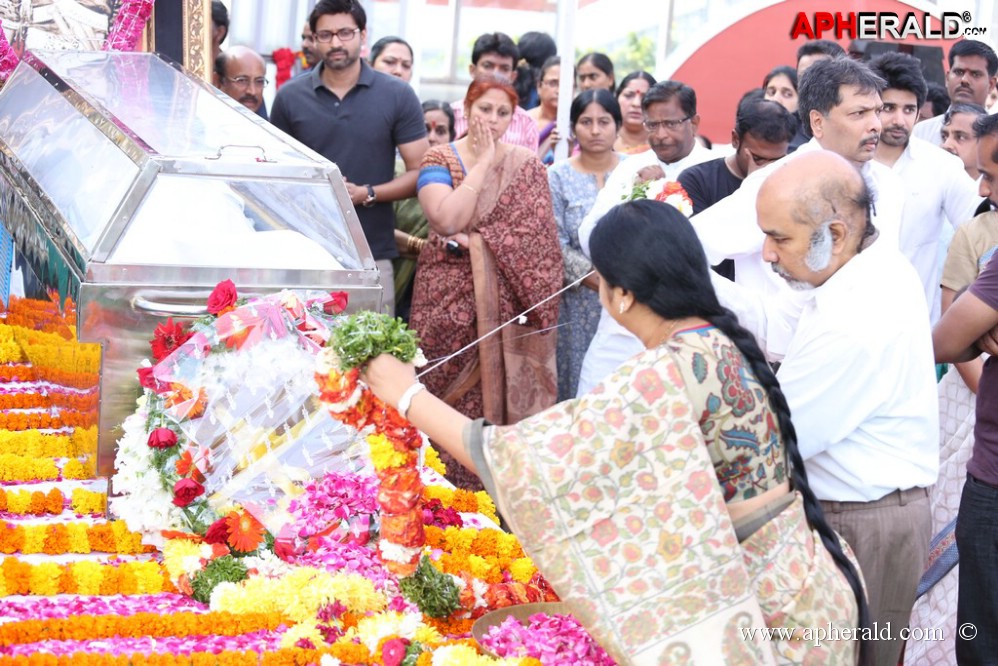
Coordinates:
<point>359,133</point>
<point>707,183</point>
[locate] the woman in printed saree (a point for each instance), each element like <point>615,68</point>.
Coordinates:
<point>669,507</point>
<point>492,254</point>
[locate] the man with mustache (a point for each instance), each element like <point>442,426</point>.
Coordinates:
<point>857,372</point>
<point>240,75</point>
<point>839,102</point>
<point>671,118</point>
<point>973,73</point>
<point>937,188</point>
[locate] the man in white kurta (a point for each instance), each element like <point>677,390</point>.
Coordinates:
<point>973,72</point>
<point>857,371</point>
<point>937,189</point>
<point>670,109</point>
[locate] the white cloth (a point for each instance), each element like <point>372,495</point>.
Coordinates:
<point>613,344</point>
<point>621,182</point>
<point>730,230</point>
<point>859,376</point>
<point>930,130</point>
<point>937,190</point>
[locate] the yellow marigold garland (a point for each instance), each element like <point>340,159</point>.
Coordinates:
<point>35,444</point>
<point>483,553</point>
<point>87,578</point>
<point>61,538</point>
<point>433,461</point>
<point>463,500</point>
<point>299,595</point>
<point>85,501</point>
<point>26,468</point>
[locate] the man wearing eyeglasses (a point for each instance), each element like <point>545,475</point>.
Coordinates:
<point>240,75</point>
<point>973,73</point>
<point>357,118</point>
<point>671,118</point>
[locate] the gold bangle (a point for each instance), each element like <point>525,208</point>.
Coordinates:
<point>420,244</point>
<point>473,190</point>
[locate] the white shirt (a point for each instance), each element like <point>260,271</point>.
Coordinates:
<point>730,229</point>
<point>930,130</point>
<point>859,376</point>
<point>613,344</point>
<point>937,189</point>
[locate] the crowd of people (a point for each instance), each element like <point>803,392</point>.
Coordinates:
<point>849,229</point>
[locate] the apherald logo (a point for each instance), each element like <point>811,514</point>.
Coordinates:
<point>879,25</point>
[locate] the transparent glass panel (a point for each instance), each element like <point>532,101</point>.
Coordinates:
<point>205,221</point>
<point>84,173</point>
<point>166,108</point>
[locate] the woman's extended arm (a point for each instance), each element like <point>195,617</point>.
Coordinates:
<point>389,378</point>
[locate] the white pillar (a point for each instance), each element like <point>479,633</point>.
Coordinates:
<point>566,49</point>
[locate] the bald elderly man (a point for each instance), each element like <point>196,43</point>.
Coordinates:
<point>240,73</point>
<point>858,371</point>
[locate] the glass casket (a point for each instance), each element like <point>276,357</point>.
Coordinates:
<point>133,188</point>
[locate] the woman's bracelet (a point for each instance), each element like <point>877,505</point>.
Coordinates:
<point>414,245</point>
<point>473,190</point>
<point>406,400</point>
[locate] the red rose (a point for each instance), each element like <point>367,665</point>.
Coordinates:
<point>167,337</point>
<point>147,380</point>
<point>222,297</point>
<point>336,304</point>
<point>186,491</point>
<point>217,532</point>
<point>162,438</point>
<point>285,549</point>
<point>393,651</point>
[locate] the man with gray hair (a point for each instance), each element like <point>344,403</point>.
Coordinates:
<point>858,373</point>
<point>839,104</point>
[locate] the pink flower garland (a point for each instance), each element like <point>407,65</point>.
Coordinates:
<point>8,58</point>
<point>332,555</point>
<point>557,640</point>
<point>336,498</point>
<point>257,641</point>
<point>129,21</point>
<point>48,608</point>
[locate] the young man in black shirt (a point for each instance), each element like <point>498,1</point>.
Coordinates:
<point>761,135</point>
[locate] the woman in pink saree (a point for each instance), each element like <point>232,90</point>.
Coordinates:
<point>668,507</point>
<point>492,253</point>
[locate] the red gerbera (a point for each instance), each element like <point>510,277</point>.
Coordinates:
<point>185,466</point>
<point>245,531</point>
<point>167,337</point>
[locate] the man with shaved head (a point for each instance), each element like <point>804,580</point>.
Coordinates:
<point>239,73</point>
<point>858,372</point>
<point>840,106</point>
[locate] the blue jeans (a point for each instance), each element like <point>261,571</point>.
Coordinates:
<point>977,541</point>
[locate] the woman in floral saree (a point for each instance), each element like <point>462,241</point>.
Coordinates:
<point>668,507</point>
<point>493,253</point>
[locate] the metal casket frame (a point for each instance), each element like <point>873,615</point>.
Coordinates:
<point>134,188</point>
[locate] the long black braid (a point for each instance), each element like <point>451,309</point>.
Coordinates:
<point>650,249</point>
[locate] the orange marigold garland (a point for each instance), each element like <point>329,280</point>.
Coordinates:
<point>394,442</point>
